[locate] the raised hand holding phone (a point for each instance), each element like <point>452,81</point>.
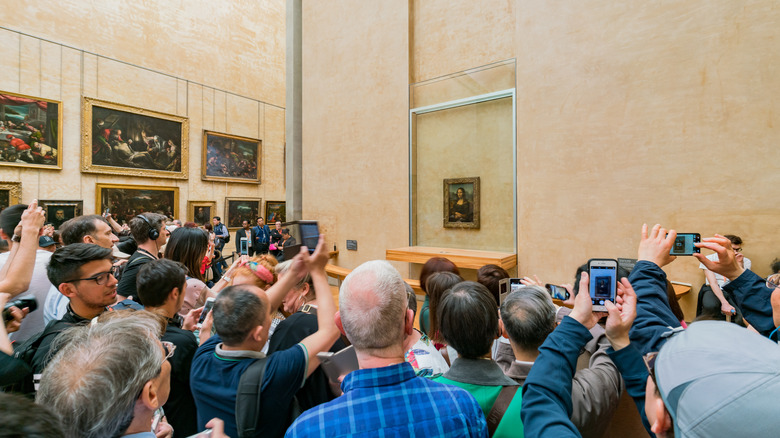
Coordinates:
<point>621,315</point>
<point>583,305</point>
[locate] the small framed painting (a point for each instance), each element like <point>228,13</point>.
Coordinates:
<point>275,212</point>
<point>58,211</point>
<point>238,210</point>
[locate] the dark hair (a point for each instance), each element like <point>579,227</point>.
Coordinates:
<point>218,218</point>
<point>735,240</point>
<point>157,279</point>
<point>74,230</point>
<point>207,226</point>
<point>23,418</point>
<point>435,264</point>
<point>411,297</point>
<point>10,217</point>
<point>285,231</point>
<point>188,246</point>
<point>237,311</point>
<point>775,266</point>
<point>528,315</point>
<point>469,319</point>
<point>621,273</point>
<point>66,262</point>
<point>438,283</point>
<point>139,228</point>
<point>489,276</point>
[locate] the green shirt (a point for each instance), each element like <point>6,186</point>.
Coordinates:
<point>511,425</point>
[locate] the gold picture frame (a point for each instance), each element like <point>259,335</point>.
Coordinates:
<point>30,135</point>
<point>125,201</point>
<point>239,209</point>
<point>461,210</point>
<point>10,193</point>
<point>208,209</point>
<point>125,140</point>
<point>227,157</point>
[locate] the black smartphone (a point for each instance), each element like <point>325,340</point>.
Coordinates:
<point>603,282</point>
<point>20,303</point>
<point>684,244</point>
<point>302,233</point>
<point>557,292</point>
<point>506,286</point>
<point>206,309</point>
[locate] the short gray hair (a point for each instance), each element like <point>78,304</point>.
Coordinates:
<point>372,304</point>
<point>528,315</point>
<point>92,384</point>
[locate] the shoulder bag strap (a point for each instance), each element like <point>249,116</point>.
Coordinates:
<point>499,408</point>
<point>248,399</point>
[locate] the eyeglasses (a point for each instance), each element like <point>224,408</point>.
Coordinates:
<point>649,360</point>
<point>737,249</point>
<point>169,348</point>
<point>100,278</point>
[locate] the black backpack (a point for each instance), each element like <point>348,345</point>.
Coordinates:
<point>248,400</point>
<point>26,352</point>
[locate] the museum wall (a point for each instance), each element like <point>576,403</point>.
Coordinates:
<point>625,114</point>
<point>151,55</point>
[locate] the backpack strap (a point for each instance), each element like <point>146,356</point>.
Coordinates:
<point>499,407</point>
<point>248,398</point>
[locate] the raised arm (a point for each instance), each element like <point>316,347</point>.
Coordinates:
<point>21,263</point>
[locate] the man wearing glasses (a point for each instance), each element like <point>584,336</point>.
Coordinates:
<point>712,299</point>
<point>84,274</point>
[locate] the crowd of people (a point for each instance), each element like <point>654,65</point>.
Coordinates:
<point>119,331</point>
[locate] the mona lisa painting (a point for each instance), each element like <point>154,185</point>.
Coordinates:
<point>461,203</point>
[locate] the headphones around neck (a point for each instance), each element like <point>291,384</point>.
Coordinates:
<point>153,233</point>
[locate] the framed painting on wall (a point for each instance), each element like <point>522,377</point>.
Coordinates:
<point>30,131</point>
<point>230,158</point>
<point>10,194</point>
<point>461,202</point>
<point>124,140</point>
<point>275,212</point>
<point>238,210</point>
<point>127,201</point>
<point>201,212</point>
<point>59,211</point>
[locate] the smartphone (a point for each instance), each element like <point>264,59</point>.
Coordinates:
<point>206,309</point>
<point>303,233</point>
<point>158,414</point>
<point>244,246</point>
<point>507,286</point>
<point>684,244</point>
<point>557,292</point>
<point>603,282</point>
<point>338,364</point>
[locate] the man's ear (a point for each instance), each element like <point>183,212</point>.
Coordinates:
<point>409,322</point>
<point>67,289</point>
<point>149,396</point>
<point>88,239</point>
<point>174,295</point>
<point>502,329</point>
<point>257,333</point>
<point>337,317</point>
<point>663,421</point>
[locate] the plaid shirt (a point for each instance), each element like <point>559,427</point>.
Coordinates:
<point>392,401</point>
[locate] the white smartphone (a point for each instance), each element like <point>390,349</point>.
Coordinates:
<point>206,309</point>
<point>603,282</point>
<point>244,246</point>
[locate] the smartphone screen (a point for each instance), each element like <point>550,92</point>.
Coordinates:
<point>206,309</point>
<point>310,235</point>
<point>244,248</point>
<point>558,292</point>
<point>603,281</point>
<point>684,244</point>
<point>506,286</point>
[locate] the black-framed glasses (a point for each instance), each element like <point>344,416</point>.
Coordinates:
<point>649,360</point>
<point>99,278</point>
<point>737,249</point>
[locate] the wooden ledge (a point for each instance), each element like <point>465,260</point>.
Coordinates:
<point>463,258</point>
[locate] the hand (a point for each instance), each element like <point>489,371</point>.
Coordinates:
<point>48,230</point>
<point>740,259</point>
<point>727,309</point>
<point>120,262</point>
<point>191,320</point>
<point>655,247</point>
<point>727,264</point>
<point>298,267</point>
<point>32,219</point>
<point>217,427</point>
<point>205,328</point>
<point>621,315</point>
<point>528,281</point>
<point>164,430</point>
<point>317,261</point>
<point>569,301</point>
<point>17,316</point>
<point>583,306</point>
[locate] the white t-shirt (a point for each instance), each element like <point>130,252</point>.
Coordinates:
<point>722,281</point>
<point>39,288</point>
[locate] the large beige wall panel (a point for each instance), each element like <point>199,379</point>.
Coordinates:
<point>653,112</point>
<point>355,118</point>
<point>451,36</point>
<point>237,44</point>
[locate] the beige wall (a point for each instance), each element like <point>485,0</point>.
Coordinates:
<point>161,63</point>
<point>659,113</point>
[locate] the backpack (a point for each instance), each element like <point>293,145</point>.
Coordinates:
<point>248,400</point>
<point>26,352</point>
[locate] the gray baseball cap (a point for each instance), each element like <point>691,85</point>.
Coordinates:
<point>719,379</point>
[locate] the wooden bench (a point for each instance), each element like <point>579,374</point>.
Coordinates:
<point>340,274</point>
<point>463,258</point>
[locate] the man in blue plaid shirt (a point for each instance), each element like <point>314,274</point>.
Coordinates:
<point>384,397</point>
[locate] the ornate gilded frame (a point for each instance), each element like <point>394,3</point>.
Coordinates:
<point>192,205</point>
<point>100,188</point>
<point>448,184</point>
<point>58,128</point>
<point>274,207</point>
<point>258,145</point>
<point>229,219</point>
<point>47,204</point>
<point>87,165</point>
<point>14,191</point>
